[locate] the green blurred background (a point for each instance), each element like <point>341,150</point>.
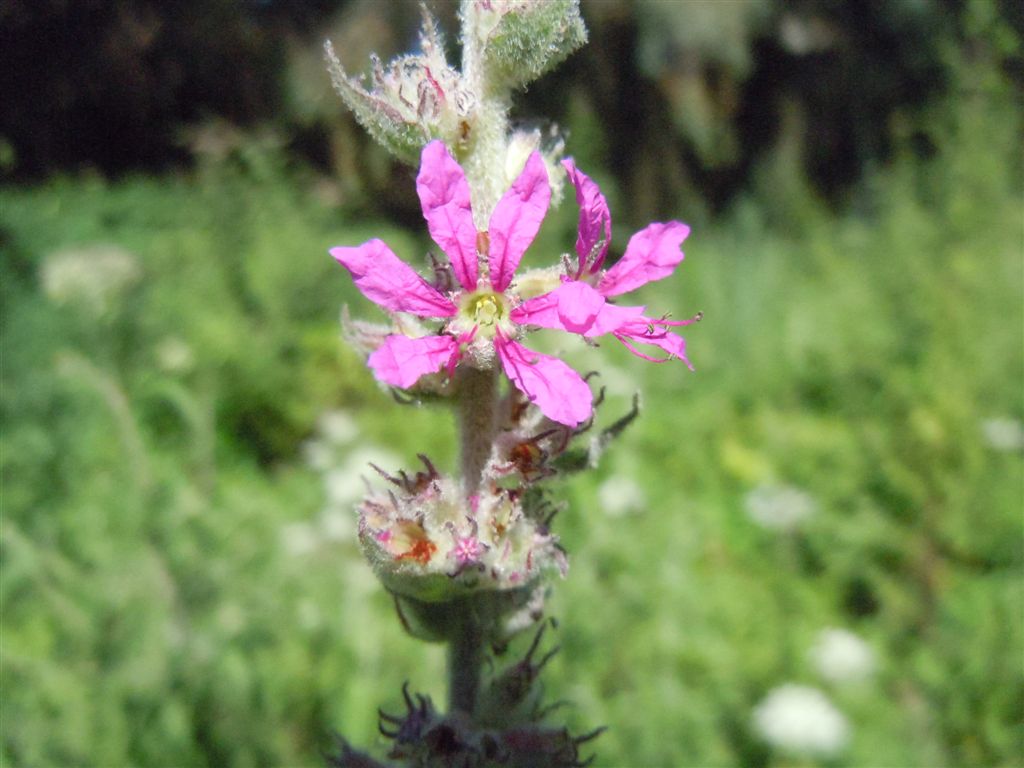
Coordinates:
<point>184,431</point>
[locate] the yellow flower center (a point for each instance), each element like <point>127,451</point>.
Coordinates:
<point>486,309</point>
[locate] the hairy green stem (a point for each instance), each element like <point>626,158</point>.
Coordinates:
<point>465,657</point>
<point>483,162</point>
<point>477,397</point>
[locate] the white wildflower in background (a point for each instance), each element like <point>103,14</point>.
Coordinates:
<point>335,430</point>
<point>616,378</point>
<point>1003,433</point>
<point>801,720</point>
<point>173,355</point>
<point>359,580</point>
<point>337,427</point>
<point>840,656</point>
<point>318,454</point>
<point>299,539</point>
<point>346,472</point>
<point>780,507</point>
<point>346,484</point>
<point>620,495</point>
<point>89,277</point>
<point>359,461</point>
<point>343,486</point>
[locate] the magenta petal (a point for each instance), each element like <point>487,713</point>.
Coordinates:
<point>572,307</point>
<point>541,311</point>
<point>386,280</point>
<point>595,227</point>
<point>647,331</point>
<point>444,197</point>
<point>561,394</point>
<point>577,308</point>
<point>612,317</point>
<point>652,253</point>
<point>401,360</point>
<point>516,219</point>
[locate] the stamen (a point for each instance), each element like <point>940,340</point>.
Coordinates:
<point>640,354</point>
<point>593,260</point>
<point>664,321</point>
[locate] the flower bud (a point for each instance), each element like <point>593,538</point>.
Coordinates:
<point>422,736</point>
<point>520,40</point>
<point>551,145</point>
<point>413,100</point>
<point>512,695</point>
<point>427,542</point>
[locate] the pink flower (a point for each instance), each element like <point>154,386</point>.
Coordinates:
<point>581,304</point>
<point>486,315</point>
<point>467,549</point>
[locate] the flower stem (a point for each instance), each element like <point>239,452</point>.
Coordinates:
<point>477,398</point>
<point>477,389</point>
<point>465,656</point>
<point>484,163</point>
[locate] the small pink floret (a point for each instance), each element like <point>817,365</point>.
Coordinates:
<point>467,550</point>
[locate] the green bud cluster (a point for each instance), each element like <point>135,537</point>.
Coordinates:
<point>520,40</point>
<point>419,97</point>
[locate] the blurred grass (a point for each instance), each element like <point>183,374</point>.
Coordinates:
<point>155,612</point>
